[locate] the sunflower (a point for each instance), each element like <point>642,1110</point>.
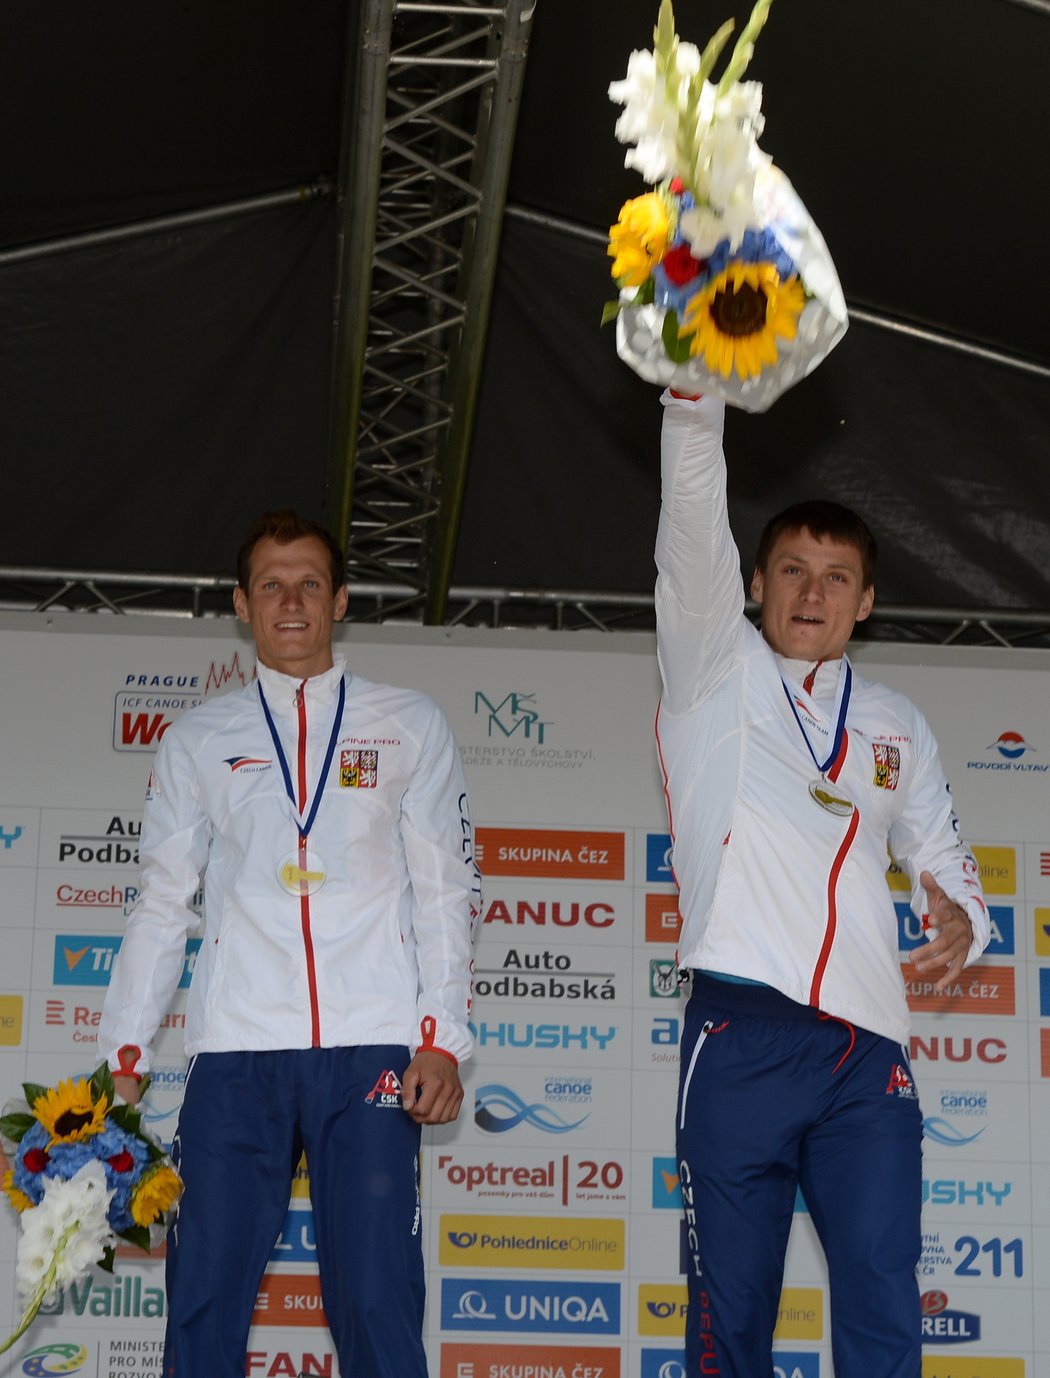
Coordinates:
<point>639,238</point>
<point>156,1193</point>
<point>69,1114</point>
<point>736,318</point>
<point>18,1198</point>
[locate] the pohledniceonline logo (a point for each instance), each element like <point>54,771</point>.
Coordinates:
<point>499,1109</point>
<point>529,1241</point>
<point>11,1018</point>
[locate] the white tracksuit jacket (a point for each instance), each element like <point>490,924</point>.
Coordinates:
<point>381,953</point>
<point>773,887</point>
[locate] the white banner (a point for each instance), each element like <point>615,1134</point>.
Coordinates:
<point>552,1212</point>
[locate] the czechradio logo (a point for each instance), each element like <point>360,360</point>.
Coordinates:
<point>498,1110</point>
<point>53,1359</point>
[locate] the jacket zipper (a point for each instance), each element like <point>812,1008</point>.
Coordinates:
<point>304,898</point>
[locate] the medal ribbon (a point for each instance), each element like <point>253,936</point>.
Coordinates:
<point>304,827</point>
<point>844,690</point>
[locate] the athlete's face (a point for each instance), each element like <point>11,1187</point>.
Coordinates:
<point>290,606</point>
<point>812,593</point>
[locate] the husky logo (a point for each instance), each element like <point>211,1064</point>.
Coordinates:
<point>386,1091</point>
<point>900,1084</point>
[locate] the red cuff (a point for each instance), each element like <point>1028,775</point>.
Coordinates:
<point>686,396</point>
<point>428,1028</point>
<point>128,1058</point>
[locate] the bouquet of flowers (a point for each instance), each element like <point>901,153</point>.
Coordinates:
<point>726,285</point>
<point>84,1174</point>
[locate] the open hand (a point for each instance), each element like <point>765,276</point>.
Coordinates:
<point>953,934</point>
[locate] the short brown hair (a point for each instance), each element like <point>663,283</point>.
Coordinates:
<point>822,520</point>
<point>283,527</point>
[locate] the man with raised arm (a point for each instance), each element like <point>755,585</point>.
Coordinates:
<point>787,777</point>
<point>329,1002</point>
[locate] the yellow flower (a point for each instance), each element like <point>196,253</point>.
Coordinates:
<point>736,319</point>
<point>638,240</point>
<point>68,1113</point>
<point>15,1195</point>
<point>155,1194</point>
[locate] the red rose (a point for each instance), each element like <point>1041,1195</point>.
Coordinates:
<point>122,1161</point>
<point>680,265</point>
<point>36,1160</point>
<point>677,186</point>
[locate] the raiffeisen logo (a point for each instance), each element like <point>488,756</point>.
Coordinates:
<point>498,1110</point>
<point>1009,747</point>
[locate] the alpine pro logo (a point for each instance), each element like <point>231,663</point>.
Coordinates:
<point>386,1093</point>
<point>498,1110</point>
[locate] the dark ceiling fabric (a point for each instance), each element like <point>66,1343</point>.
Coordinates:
<point>114,112</point>
<point>943,453</point>
<point>157,395</point>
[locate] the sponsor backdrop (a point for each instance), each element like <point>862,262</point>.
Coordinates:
<point>552,1210</point>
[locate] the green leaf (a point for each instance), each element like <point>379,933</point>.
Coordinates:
<point>144,1084</point>
<point>137,1235</point>
<point>33,1092</point>
<point>156,1153</point>
<point>13,1126</point>
<point>610,311</point>
<point>106,1261</point>
<point>102,1085</point>
<point>745,46</point>
<point>677,350</point>
<point>126,1117</point>
<point>645,293</point>
<point>713,52</point>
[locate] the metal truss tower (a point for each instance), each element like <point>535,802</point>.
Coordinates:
<point>428,131</point>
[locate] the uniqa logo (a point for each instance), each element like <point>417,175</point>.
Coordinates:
<point>473,1307</point>
<point>56,1358</point>
<point>1011,745</point>
<point>498,1110</point>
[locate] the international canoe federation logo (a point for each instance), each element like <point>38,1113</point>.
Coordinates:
<point>498,1110</point>
<point>52,1359</point>
<point>941,1132</point>
<point>1011,745</point>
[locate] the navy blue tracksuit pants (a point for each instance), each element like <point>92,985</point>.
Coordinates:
<point>774,1095</point>
<point>245,1119</point>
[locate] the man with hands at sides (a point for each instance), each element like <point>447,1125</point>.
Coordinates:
<point>329,1002</point>
<point>787,777</point>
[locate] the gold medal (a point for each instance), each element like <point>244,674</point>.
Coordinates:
<point>830,797</point>
<point>301,872</point>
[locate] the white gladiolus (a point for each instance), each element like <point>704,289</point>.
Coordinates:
<point>82,1202</point>
<point>651,113</point>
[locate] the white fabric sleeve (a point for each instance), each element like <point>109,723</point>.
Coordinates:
<point>439,850</point>
<point>925,837</point>
<point>699,592</point>
<point>173,850</point>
